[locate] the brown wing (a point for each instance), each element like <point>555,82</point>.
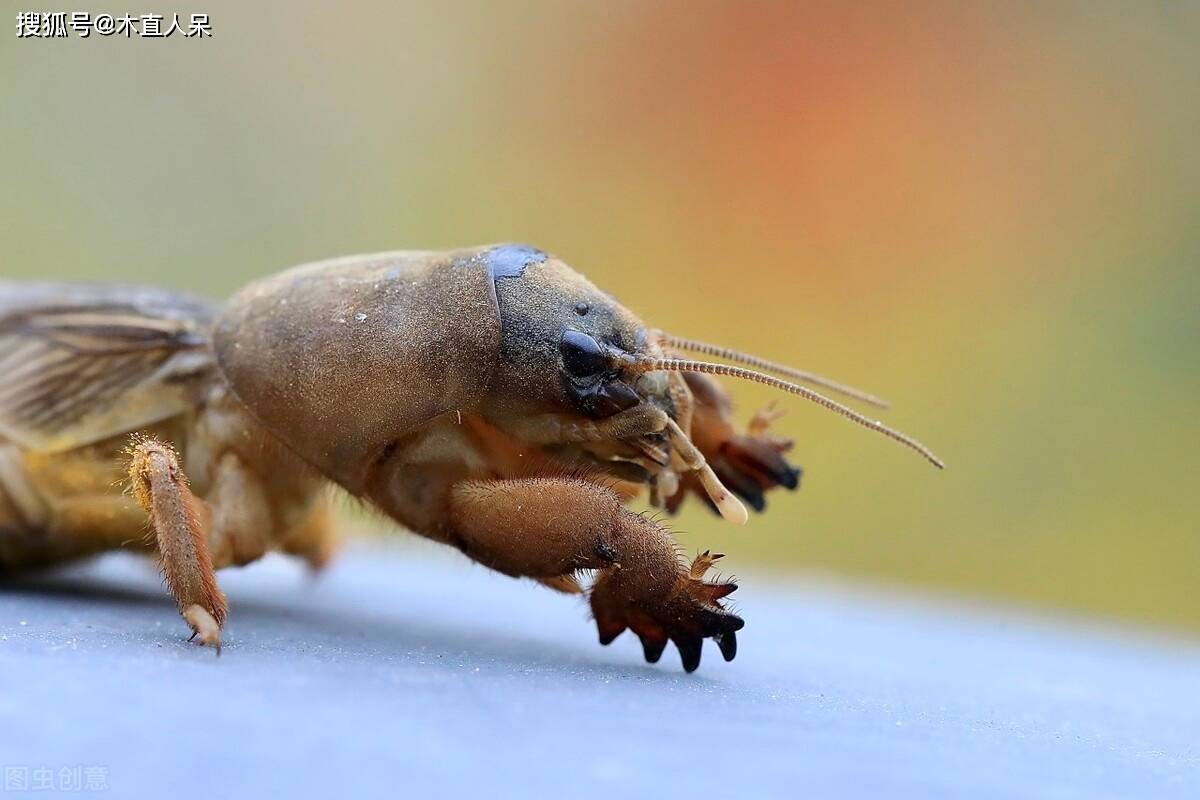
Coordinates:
<point>80,363</point>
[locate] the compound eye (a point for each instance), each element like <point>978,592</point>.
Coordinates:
<point>582,355</point>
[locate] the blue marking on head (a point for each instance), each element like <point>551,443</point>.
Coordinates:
<point>510,260</point>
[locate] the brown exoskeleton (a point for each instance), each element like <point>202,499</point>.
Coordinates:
<point>491,398</point>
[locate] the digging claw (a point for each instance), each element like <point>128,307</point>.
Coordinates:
<point>749,463</point>
<point>761,460</point>
<point>653,649</point>
<point>728,644</point>
<point>688,615</point>
<point>689,651</point>
<point>609,631</point>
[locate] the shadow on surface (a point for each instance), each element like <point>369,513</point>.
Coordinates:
<point>257,624</point>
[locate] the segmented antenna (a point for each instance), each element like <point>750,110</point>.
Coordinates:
<point>647,364</point>
<point>704,348</point>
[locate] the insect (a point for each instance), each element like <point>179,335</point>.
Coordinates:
<point>489,398</point>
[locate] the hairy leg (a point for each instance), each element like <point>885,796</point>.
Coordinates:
<point>179,521</point>
<point>550,528</point>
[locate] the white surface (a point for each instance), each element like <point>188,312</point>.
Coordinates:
<point>396,675</point>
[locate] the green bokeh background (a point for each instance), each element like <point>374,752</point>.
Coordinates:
<point>985,212</point>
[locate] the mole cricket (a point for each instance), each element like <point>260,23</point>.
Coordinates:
<point>489,398</point>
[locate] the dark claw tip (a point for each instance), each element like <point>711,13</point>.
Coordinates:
<point>790,477</point>
<point>653,649</point>
<point>728,644</point>
<point>609,632</point>
<point>714,622</point>
<point>689,653</point>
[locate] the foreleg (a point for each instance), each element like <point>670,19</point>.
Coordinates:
<point>551,528</point>
<point>749,464</point>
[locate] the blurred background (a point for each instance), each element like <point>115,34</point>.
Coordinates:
<point>985,212</point>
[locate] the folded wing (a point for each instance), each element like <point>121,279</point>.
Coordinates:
<point>80,363</point>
